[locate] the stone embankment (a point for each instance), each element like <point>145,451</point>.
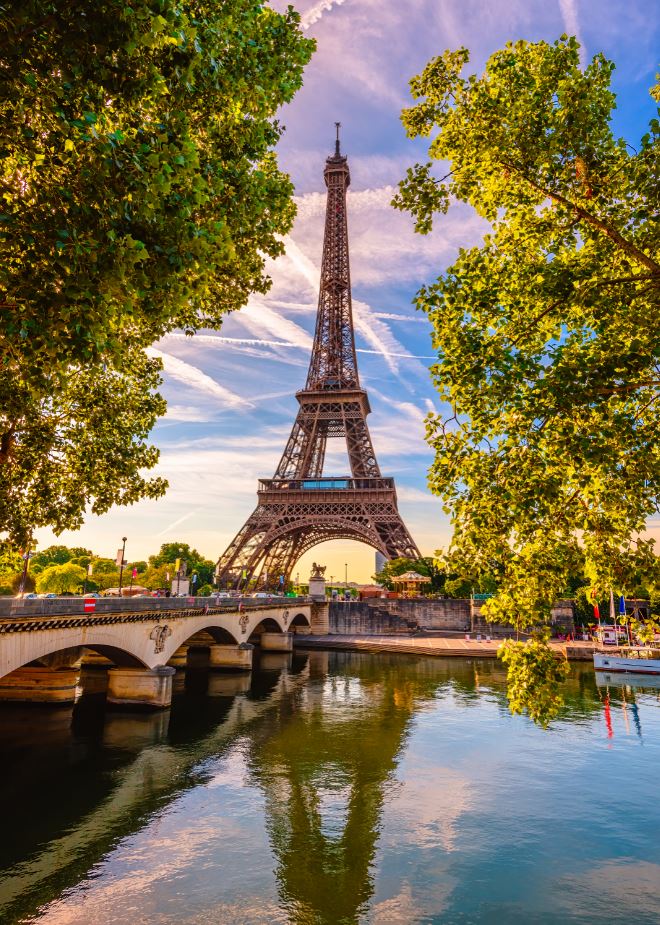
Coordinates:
<point>382,617</point>
<point>432,645</point>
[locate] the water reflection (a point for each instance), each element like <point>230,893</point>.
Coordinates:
<point>328,788</point>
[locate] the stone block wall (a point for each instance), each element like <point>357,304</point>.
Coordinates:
<point>385,617</point>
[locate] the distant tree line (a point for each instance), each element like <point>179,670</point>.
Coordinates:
<point>62,569</point>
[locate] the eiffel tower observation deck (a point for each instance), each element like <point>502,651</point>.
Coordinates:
<point>300,507</point>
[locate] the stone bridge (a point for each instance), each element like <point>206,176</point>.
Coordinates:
<point>43,642</point>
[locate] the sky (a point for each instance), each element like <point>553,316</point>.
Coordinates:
<point>230,393</point>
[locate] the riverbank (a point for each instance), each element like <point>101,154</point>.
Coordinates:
<point>433,645</point>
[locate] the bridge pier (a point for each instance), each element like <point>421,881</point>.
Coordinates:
<point>320,619</point>
<point>236,657</point>
<point>276,642</point>
<point>40,685</point>
<point>144,688</point>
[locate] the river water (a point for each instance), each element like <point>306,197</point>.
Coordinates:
<point>335,788</point>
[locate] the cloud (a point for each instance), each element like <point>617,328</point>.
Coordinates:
<point>569,14</point>
<point>316,12</point>
<point>195,379</point>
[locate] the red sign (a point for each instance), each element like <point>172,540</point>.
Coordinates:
<point>90,605</point>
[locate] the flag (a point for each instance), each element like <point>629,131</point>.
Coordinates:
<point>622,606</point>
<point>177,565</point>
<point>134,572</point>
<point>244,573</point>
<point>167,576</point>
<point>90,569</point>
<point>612,610</point>
<point>596,612</point>
<point>119,558</point>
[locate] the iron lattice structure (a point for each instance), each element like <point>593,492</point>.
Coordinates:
<point>298,508</point>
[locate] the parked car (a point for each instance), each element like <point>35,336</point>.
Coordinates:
<point>260,594</point>
<point>27,597</point>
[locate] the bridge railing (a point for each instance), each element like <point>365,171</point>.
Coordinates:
<point>47,607</point>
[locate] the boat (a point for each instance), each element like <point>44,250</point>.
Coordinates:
<point>629,659</point>
<point>628,679</point>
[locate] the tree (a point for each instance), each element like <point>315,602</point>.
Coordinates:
<point>138,193</point>
<point>156,577</point>
<point>105,574</point>
<point>548,334</point>
<point>61,579</point>
<point>83,447</point>
<point>195,562</point>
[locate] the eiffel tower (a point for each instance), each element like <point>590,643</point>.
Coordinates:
<point>299,508</point>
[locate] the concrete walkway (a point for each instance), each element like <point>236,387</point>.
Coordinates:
<point>432,645</point>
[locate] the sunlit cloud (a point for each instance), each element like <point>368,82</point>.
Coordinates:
<point>195,379</point>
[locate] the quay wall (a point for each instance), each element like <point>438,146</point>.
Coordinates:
<point>386,617</point>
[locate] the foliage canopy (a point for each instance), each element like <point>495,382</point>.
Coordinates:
<point>138,193</point>
<point>548,333</point>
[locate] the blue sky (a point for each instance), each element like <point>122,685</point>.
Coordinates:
<point>231,393</point>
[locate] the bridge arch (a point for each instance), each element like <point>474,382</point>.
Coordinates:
<point>299,619</point>
<point>45,651</point>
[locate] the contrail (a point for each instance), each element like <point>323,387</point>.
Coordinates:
<point>569,13</point>
<point>177,522</point>
<point>196,379</point>
<point>239,341</point>
<point>316,12</point>
<point>391,316</point>
<point>218,340</point>
<point>388,353</point>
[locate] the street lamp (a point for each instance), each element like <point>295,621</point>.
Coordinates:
<point>123,563</point>
<point>178,573</point>
<point>27,555</point>
<point>346,574</point>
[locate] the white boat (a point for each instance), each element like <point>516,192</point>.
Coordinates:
<point>631,659</point>
<point>628,679</point>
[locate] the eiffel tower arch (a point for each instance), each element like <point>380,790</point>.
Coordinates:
<point>300,507</point>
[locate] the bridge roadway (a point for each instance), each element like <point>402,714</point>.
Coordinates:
<point>42,641</point>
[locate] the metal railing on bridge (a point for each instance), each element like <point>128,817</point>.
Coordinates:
<point>56,606</point>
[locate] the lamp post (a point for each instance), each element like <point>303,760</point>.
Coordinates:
<point>27,555</point>
<point>346,574</point>
<point>178,574</point>
<point>123,563</point>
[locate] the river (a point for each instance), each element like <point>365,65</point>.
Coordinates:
<point>335,788</point>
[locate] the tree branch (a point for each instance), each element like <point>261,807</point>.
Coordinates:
<point>595,222</point>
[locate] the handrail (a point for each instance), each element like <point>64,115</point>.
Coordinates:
<point>12,608</point>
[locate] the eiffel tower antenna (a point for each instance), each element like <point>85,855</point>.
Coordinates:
<point>299,508</point>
